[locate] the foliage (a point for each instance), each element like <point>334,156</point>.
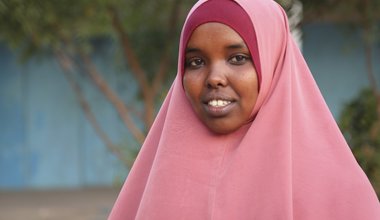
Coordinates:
<point>143,32</point>
<point>286,4</point>
<point>39,26</point>
<point>360,125</point>
<point>357,12</point>
<point>360,119</point>
<point>363,14</point>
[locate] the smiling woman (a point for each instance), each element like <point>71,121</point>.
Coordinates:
<point>244,132</point>
<point>220,79</point>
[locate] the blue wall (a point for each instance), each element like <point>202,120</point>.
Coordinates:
<point>335,55</point>
<point>46,142</point>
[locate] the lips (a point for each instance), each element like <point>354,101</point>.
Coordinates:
<point>218,106</point>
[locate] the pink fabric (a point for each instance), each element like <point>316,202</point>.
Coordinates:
<point>291,162</point>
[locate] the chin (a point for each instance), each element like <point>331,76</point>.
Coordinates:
<point>221,130</point>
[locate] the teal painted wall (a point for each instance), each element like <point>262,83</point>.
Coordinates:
<point>335,55</point>
<point>46,142</point>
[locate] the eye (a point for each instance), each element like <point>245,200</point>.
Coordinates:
<point>239,59</point>
<point>194,63</point>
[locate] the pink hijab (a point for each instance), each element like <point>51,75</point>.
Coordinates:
<point>291,162</point>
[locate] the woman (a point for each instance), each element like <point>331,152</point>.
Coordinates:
<point>244,132</point>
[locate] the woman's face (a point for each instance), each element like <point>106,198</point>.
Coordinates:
<point>220,80</point>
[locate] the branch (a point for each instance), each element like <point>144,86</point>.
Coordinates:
<point>136,69</point>
<point>367,27</point>
<point>91,70</point>
<point>370,73</point>
<point>164,62</point>
<point>67,67</point>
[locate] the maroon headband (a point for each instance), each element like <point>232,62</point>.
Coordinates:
<point>229,13</point>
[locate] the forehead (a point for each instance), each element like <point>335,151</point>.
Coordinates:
<point>213,32</point>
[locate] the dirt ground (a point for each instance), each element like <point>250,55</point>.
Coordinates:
<point>86,204</point>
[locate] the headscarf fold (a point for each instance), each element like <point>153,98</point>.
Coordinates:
<point>291,162</point>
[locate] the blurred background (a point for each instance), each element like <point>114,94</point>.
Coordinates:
<point>81,82</point>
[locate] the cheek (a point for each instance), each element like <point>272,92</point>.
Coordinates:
<point>248,90</point>
<point>191,85</point>
<point>253,95</point>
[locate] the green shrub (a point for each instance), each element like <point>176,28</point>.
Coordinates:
<point>359,123</point>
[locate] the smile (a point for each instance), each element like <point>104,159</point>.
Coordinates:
<point>218,103</point>
<point>218,107</point>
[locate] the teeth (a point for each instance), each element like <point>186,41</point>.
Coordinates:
<point>218,103</point>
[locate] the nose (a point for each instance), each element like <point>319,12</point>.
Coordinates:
<point>217,77</point>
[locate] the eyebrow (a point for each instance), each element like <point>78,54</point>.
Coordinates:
<point>231,46</point>
<point>237,46</point>
<point>191,49</point>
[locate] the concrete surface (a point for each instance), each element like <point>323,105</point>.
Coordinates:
<point>86,204</point>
